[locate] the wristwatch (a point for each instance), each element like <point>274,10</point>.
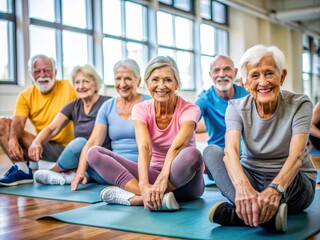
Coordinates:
<point>278,187</point>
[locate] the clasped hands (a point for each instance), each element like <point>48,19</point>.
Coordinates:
<point>256,208</point>
<point>152,195</point>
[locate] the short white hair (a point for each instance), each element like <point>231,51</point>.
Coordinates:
<point>38,56</point>
<point>254,55</point>
<point>131,64</point>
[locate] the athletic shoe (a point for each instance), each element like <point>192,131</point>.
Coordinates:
<point>14,176</point>
<point>169,202</point>
<point>279,222</point>
<point>225,214</point>
<point>53,178</point>
<point>116,195</point>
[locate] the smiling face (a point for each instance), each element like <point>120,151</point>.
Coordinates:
<point>43,75</point>
<point>264,81</point>
<point>126,83</point>
<point>162,84</point>
<point>223,73</point>
<point>85,86</point>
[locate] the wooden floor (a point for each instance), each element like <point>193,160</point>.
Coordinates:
<point>18,214</point>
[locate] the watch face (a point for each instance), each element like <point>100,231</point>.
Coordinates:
<point>280,189</point>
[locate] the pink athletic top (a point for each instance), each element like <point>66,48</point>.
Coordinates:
<point>161,140</point>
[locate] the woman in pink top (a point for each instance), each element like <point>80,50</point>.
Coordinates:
<point>169,164</point>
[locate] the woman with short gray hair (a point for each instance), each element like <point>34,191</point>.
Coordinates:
<point>114,118</point>
<point>274,174</point>
<point>170,166</point>
<point>82,112</point>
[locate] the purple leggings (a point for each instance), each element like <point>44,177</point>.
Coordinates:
<point>185,173</point>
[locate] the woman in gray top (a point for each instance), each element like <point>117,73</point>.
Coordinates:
<point>274,174</point>
<point>82,112</point>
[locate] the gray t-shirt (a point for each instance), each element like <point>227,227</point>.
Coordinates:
<point>83,123</point>
<point>267,141</point>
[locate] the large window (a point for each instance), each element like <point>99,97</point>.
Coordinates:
<point>7,42</point>
<point>63,31</point>
<point>311,67</point>
<point>214,41</point>
<point>102,32</point>
<point>175,39</point>
<point>214,11</point>
<point>125,35</point>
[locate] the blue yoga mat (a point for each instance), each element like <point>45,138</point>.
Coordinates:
<point>190,222</point>
<point>314,152</point>
<point>89,193</point>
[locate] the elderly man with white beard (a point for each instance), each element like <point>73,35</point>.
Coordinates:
<point>40,103</point>
<point>214,101</point>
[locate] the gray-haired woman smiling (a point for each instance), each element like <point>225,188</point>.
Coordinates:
<point>114,117</point>
<point>275,174</point>
<point>170,166</point>
<point>82,112</point>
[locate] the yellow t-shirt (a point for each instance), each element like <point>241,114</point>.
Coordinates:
<point>41,109</point>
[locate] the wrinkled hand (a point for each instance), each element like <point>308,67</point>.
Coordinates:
<point>247,206</point>
<point>151,196</point>
<point>269,201</point>
<point>78,178</point>
<point>15,151</point>
<point>35,151</point>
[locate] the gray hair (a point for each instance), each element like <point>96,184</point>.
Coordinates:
<point>254,55</point>
<point>215,58</point>
<point>162,61</point>
<point>38,56</point>
<point>88,71</point>
<point>131,64</point>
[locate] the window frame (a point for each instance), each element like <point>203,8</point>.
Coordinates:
<point>12,40</point>
<point>124,40</point>
<point>59,27</point>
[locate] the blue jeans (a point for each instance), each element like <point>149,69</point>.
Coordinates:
<point>69,158</point>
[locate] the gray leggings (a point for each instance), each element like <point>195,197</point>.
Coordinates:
<point>185,173</point>
<point>299,194</point>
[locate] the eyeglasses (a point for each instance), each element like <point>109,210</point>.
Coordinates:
<point>267,75</point>
<point>38,71</point>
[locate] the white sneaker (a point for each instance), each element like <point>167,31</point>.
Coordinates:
<point>53,178</point>
<point>169,202</point>
<point>116,195</point>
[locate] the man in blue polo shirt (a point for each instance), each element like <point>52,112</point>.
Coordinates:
<point>214,101</point>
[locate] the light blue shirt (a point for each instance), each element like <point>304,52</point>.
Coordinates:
<point>213,109</point>
<point>121,132</point>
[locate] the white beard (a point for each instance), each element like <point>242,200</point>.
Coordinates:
<point>44,88</point>
<point>224,88</point>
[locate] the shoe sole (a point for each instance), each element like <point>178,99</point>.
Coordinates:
<point>213,209</point>
<point>16,183</point>
<point>281,218</point>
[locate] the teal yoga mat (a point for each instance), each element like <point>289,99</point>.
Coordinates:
<point>190,222</point>
<point>208,182</point>
<point>90,193</point>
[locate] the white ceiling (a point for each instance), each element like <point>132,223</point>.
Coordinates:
<point>304,13</point>
<point>299,14</point>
